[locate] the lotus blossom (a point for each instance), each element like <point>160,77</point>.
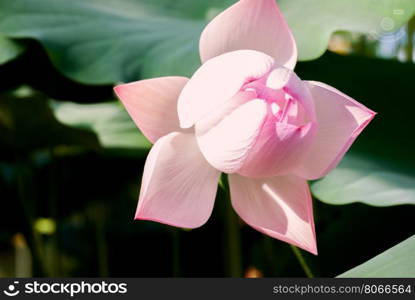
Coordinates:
<point>247,114</point>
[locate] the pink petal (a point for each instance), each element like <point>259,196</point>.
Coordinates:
<point>280,207</point>
<point>216,116</point>
<point>218,80</point>
<point>277,150</point>
<point>152,104</point>
<point>293,85</point>
<point>340,119</point>
<point>250,24</point>
<point>178,186</point>
<point>226,145</point>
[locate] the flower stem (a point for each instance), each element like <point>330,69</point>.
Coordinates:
<point>302,261</point>
<point>232,235</point>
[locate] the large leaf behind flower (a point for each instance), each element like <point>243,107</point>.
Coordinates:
<point>398,262</point>
<point>107,41</point>
<point>103,41</point>
<point>109,121</point>
<point>313,21</point>
<point>366,180</point>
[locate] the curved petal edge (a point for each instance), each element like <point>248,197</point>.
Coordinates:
<point>340,119</point>
<point>152,104</point>
<point>217,81</point>
<point>178,186</point>
<point>250,24</point>
<point>280,207</point>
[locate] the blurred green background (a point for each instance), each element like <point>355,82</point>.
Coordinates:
<point>71,159</point>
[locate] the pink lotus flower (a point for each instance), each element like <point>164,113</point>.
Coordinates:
<point>247,114</point>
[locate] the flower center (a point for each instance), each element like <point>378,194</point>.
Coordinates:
<point>273,88</point>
